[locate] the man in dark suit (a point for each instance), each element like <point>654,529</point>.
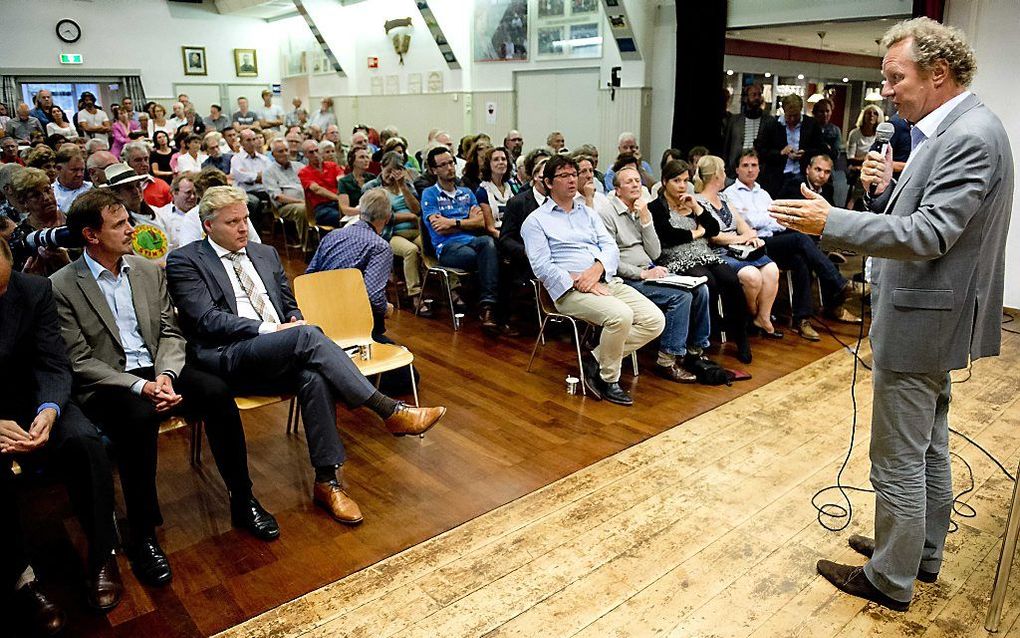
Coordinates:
<point>514,264</point>
<point>818,179</point>
<point>127,356</point>
<point>243,323</point>
<point>38,419</point>
<point>785,146</point>
<point>938,242</point>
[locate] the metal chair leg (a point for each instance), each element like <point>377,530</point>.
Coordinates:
<point>633,361</point>
<point>421,295</point>
<point>1009,543</point>
<point>538,308</point>
<point>541,331</point>
<point>449,298</point>
<point>414,386</point>
<point>580,362</point>
<point>196,442</point>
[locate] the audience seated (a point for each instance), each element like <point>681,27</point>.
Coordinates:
<point>239,315</point>
<point>350,186</point>
<point>401,229</point>
<point>161,157</point>
<point>684,228</point>
<point>70,182</point>
<point>832,136</point>
<point>627,146</point>
<point>191,157</point>
<point>628,221</point>
<point>215,157</point>
<point>271,116</point>
<point>818,179</point>
<point>784,147</point>
<point>130,382</point>
<point>496,188</point>
<point>320,182</point>
<point>38,419</point>
<point>137,156</point>
<point>121,130</point>
<point>475,160</point>
<point>360,245</point>
<point>742,129</point>
<point>59,124</point>
<point>514,144</point>
<point>243,119</point>
<point>791,250</point>
<point>216,121</point>
<point>457,229</point>
<point>556,142</point>
<point>246,169</point>
<point>181,229</point>
<point>324,116</point>
<point>576,259</point>
<point>758,274</point>
<point>32,194</point>
<point>22,125</point>
<point>43,158</point>
<point>96,166</point>
<point>298,116</point>
<point>151,239</point>
<point>9,152</point>
<point>285,189</point>
<point>43,103</point>
<point>629,159</point>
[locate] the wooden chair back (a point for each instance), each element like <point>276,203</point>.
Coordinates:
<point>337,302</point>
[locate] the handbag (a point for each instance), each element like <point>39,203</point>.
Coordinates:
<point>744,252</point>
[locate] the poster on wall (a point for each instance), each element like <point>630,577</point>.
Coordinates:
<point>550,41</point>
<point>501,27</point>
<point>568,29</point>
<point>194,60</point>
<point>245,63</point>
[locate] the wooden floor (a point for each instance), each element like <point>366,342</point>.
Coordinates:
<point>703,530</point>
<point>507,434</point>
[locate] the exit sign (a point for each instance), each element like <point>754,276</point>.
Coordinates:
<point>71,58</point>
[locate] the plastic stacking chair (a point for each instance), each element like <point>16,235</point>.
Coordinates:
<point>337,302</point>
<point>433,269</point>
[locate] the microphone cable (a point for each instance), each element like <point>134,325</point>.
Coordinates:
<point>835,510</point>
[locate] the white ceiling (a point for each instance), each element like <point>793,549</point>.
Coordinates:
<point>265,9</point>
<point>846,37</point>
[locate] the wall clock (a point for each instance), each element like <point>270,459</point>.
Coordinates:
<point>68,31</point>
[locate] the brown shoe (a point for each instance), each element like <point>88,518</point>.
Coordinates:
<point>865,546</point>
<point>675,373</point>
<point>489,324</point>
<point>807,331</point>
<point>853,581</point>
<point>105,586</point>
<point>332,498</point>
<point>42,615</point>
<point>841,314</point>
<point>407,420</point>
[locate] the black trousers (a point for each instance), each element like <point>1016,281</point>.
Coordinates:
<point>723,282</point>
<point>305,361</point>
<point>76,450</point>
<point>514,269</point>
<point>132,423</point>
<point>799,254</point>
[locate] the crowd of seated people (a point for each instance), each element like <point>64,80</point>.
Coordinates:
<point>168,297</point>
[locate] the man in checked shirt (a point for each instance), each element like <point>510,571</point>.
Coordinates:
<point>359,245</point>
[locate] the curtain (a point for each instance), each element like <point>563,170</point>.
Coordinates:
<point>133,89</point>
<point>9,93</point>
<point>934,9</point>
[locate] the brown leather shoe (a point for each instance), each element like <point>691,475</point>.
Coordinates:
<point>332,498</point>
<point>807,331</point>
<point>675,373</point>
<point>42,615</point>
<point>105,586</point>
<point>842,315</point>
<point>407,420</point>
<point>488,318</point>
<point>865,546</point>
<point>853,581</point>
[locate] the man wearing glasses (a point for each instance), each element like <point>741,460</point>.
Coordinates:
<point>576,259</point>
<point>457,228</point>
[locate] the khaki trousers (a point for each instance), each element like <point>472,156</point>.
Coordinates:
<point>410,252</point>
<point>295,213</point>
<point>628,319</point>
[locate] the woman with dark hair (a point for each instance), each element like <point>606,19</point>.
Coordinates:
<point>472,177</point>
<point>684,228</point>
<point>121,131</point>
<point>60,125</point>
<point>349,186</point>
<point>495,189</point>
<point>161,156</point>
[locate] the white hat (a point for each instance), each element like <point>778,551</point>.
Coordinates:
<point>119,174</point>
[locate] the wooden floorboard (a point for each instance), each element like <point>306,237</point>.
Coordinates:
<point>704,530</point>
<point>438,509</point>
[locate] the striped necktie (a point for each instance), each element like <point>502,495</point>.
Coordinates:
<point>265,311</point>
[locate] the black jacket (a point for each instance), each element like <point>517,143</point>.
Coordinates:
<point>771,141</point>
<point>518,208</point>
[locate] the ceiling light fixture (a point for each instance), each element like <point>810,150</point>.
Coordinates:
<point>819,94</point>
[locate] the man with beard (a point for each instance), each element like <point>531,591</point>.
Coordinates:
<point>743,128</point>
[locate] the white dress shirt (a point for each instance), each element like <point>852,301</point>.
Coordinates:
<point>753,204</point>
<point>117,291</point>
<point>188,164</point>
<point>65,196</point>
<point>186,227</point>
<point>245,308</point>
<point>245,169</point>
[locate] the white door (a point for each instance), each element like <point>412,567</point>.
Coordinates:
<point>564,100</point>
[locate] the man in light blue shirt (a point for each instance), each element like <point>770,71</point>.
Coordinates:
<point>576,259</point>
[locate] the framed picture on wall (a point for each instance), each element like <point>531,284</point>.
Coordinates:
<point>246,63</point>
<point>550,41</point>
<point>502,29</point>
<point>194,60</point>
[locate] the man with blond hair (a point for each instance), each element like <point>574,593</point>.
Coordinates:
<point>938,245</point>
<point>243,323</point>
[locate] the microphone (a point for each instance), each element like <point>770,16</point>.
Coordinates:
<point>883,133</point>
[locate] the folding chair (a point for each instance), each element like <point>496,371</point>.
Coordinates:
<point>432,268</point>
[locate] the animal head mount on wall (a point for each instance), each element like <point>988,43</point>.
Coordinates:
<point>399,31</point>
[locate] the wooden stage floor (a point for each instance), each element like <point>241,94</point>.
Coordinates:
<point>507,434</point>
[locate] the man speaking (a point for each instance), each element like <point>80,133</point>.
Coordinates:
<point>938,241</point>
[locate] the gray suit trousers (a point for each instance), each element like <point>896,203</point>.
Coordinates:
<point>305,361</point>
<point>910,471</point>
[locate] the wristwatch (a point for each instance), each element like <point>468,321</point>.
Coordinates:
<point>457,222</point>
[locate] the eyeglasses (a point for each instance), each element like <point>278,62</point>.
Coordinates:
<point>566,175</point>
<point>516,139</point>
<point>445,164</point>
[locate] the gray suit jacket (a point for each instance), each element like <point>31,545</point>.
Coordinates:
<point>939,246</point>
<point>90,329</point>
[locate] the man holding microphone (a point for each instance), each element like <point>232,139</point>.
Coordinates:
<point>938,240</point>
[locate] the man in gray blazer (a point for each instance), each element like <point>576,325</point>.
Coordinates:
<point>939,245</point>
<point>127,358</point>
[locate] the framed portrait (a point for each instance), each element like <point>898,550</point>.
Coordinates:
<point>550,8</point>
<point>550,41</point>
<point>246,64</point>
<point>502,29</point>
<point>194,60</point>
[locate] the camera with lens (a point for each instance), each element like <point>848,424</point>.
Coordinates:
<point>25,244</point>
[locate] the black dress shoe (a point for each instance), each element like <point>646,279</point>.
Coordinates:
<point>744,352</point>
<point>42,616</point>
<point>865,546</point>
<point>105,586</point>
<point>150,564</point>
<point>249,515</point>
<point>853,581</point>
<point>613,393</point>
<point>592,378</point>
